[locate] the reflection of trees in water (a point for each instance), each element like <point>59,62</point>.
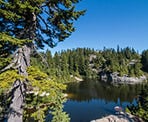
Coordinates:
<point>88,90</point>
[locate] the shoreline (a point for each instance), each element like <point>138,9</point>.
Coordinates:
<point>114,78</point>
<point>122,117</point>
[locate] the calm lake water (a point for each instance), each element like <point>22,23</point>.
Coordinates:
<point>89,100</point>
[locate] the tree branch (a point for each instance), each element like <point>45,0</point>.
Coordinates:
<point>43,59</point>
<point>43,21</point>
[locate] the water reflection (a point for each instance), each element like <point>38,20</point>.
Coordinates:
<point>89,100</point>
<point>88,90</point>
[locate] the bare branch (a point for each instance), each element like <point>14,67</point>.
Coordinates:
<point>7,67</point>
<point>43,59</point>
<point>13,62</point>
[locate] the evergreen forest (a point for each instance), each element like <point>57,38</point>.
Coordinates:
<point>88,63</point>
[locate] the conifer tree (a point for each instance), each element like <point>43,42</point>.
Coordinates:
<point>27,25</point>
<point>144,60</point>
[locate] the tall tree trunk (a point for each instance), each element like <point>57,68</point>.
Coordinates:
<point>22,61</point>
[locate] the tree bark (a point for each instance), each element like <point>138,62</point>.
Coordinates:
<point>22,61</point>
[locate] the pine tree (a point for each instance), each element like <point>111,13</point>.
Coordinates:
<point>49,59</point>
<point>26,25</point>
<point>144,60</point>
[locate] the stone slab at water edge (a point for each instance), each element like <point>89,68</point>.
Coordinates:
<point>125,79</point>
<point>119,118</point>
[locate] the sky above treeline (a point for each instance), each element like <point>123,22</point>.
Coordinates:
<point>108,23</point>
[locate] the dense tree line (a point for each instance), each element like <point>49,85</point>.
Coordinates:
<point>144,60</point>
<point>86,62</point>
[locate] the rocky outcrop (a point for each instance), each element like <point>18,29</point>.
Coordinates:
<point>125,117</point>
<point>76,78</point>
<point>128,80</point>
<point>115,78</point>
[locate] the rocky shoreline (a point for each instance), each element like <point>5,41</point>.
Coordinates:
<point>128,80</point>
<point>122,117</point>
<point>114,78</point>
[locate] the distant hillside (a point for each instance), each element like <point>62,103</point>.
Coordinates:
<point>89,63</point>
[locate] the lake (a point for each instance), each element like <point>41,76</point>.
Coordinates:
<point>89,100</point>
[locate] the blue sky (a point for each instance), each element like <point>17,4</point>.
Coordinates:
<point>108,23</point>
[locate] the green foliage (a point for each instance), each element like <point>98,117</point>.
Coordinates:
<point>6,38</point>
<point>46,94</point>
<point>87,63</point>
<point>34,20</point>
<point>144,60</point>
<point>4,62</point>
<point>39,114</point>
<point>60,116</point>
<point>141,109</point>
<point>7,79</point>
<point>28,23</point>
